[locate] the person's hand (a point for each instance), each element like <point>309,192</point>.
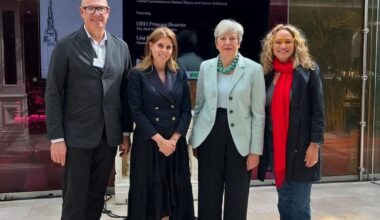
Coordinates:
<point>311,157</point>
<point>166,147</point>
<point>125,146</point>
<point>58,152</point>
<point>173,142</point>
<point>252,161</point>
<point>174,139</point>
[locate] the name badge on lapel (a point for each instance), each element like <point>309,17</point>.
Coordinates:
<point>98,63</point>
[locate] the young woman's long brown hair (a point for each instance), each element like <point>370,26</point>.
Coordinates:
<point>157,34</point>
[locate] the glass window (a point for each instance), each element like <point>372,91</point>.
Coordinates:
<point>25,163</point>
<point>333,29</point>
<point>372,140</point>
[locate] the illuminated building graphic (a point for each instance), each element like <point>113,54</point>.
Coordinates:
<point>49,41</point>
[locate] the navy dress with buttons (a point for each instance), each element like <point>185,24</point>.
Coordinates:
<point>160,185</point>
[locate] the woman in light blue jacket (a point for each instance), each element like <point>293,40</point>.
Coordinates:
<point>228,126</point>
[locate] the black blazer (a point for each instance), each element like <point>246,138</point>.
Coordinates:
<point>81,99</point>
<point>154,108</point>
<point>306,124</point>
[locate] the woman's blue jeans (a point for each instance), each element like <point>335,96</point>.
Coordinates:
<point>294,201</point>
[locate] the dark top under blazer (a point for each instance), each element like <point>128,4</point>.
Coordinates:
<point>154,108</point>
<point>306,124</point>
<point>81,99</point>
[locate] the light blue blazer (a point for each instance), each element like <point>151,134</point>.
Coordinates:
<point>245,106</point>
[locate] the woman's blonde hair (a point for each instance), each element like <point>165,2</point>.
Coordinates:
<point>156,35</point>
<point>301,55</point>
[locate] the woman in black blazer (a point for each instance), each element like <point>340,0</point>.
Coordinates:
<point>159,101</point>
<point>295,119</point>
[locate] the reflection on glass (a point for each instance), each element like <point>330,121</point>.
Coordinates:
<point>376,142</point>
<point>333,29</point>
<point>10,74</point>
<point>189,59</point>
<point>25,163</point>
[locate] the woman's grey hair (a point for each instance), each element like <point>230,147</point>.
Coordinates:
<point>229,26</point>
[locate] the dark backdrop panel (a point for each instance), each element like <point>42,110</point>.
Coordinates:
<point>142,16</point>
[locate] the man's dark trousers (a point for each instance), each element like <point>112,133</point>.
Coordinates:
<point>86,178</point>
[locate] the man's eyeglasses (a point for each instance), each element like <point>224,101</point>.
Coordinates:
<point>100,9</point>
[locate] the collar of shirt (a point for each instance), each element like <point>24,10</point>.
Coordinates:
<point>93,40</point>
<point>99,49</point>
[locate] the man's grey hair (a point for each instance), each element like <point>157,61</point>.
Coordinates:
<point>82,3</point>
<point>229,26</point>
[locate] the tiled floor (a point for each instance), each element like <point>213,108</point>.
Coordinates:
<point>330,201</point>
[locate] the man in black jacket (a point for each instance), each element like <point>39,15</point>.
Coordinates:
<point>86,109</point>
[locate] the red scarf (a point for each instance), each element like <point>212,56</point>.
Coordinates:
<point>280,117</point>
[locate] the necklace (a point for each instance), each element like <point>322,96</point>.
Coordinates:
<point>229,68</point>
